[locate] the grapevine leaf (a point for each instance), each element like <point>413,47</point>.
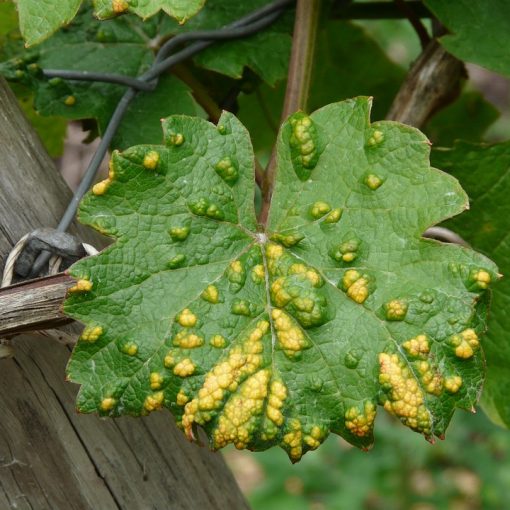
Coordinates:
<point>122,44</point>
<point>479,31</point>
<point>468,118</point>
<point>266,53</point>
<point>181,10</point>
<point>484,171</point>
<point>147,109</point>
<point>8,19</point>
<point>279,336</point>
<point>38,20</point>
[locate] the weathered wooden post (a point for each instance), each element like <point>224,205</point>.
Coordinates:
<point>51,457</point>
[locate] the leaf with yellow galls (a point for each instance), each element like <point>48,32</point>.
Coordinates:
<point>283,335</point>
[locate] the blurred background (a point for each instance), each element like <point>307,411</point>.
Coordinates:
<point>469,470</point>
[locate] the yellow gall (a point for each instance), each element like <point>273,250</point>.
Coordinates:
<point>373,181</point>
<point>179,233</point>
<point>274,251</point>
<point>465,343</point>
<point>187,340</point>
<point>358,291</point>
<point>314,277</point>
<point>236,266</point>
<point>187,318</point>
<point>417,346</point>
<point>376,138</point>
<point>360,422</point>
<point>101,187</point>
<point>156,380</point>
<point>355,286</point>
<point>176,139</point>
<point>91,333</point>
<point>211,294</point>
<point>258,273</point>
<point>119,6</point>
<point>404,398</point>
<point>169,360</point>
<point>184,368</point>
<point>452,384</point>
<point>70,101</point>
<point>396,310</point>
<point>81,286</point>
<point>218,341</point>
<point>151,159</point>
<point>482,278</point>
<point>107,404</point>
<point>319,209</point>
<point>333,216</point>
<point>154,401</point>
<point>181,399</point>
<point>130,349</point>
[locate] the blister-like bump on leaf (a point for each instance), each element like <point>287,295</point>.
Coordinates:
<point>282,336</point>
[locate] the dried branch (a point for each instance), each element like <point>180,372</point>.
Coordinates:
<point>33,305</point>
<point>433,82</point>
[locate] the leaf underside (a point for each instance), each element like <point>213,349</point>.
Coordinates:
<point>279,336</point>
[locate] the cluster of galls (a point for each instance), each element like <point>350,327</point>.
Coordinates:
<point>403,396</point>
<point>303,144</point>
<point>298,299</point>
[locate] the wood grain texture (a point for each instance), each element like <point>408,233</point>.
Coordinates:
<point>33,305</point>
<point>52,458</point>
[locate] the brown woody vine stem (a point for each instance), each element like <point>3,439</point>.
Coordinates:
<point>433,82</point>
<point>298,82</point>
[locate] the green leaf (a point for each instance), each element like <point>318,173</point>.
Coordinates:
<point>479,29</point>
<point>123,45</point>
<point>484,171</point>
<point>468,118</point>
<point>8,19</point>
<point>266,53</point>
<point>279,336</point>
<point>147,108</point>
<point>181,10</point>
<point>38,20</point>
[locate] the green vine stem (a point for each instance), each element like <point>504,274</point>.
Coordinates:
<point>298,82</point>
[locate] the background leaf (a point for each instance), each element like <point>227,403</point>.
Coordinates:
<point>279,337</point>
<point>484,171</point>
<point>265,53</point>
<point>123,44</point>
<point>38,20</point>
<point>146,110</point>
<point>181,10</point>
<point>468,118</point>
<point>479,29</point>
